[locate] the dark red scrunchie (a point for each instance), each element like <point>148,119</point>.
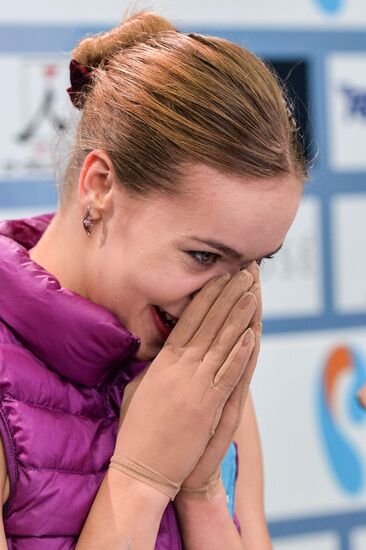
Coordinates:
<point>79,77</point>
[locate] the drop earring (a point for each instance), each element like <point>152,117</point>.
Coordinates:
<point>88,222</point>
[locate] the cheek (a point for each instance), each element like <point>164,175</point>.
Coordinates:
<point>138,279</point>
<point>167,287</point>
<point>168,283</point>
<point>133,286</point>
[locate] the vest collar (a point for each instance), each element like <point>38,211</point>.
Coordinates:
<point>76,338</point>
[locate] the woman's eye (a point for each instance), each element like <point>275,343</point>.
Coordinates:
<point>204,258</point>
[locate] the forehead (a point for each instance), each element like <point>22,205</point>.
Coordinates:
<point>203,187</point>
<point>247,214</point>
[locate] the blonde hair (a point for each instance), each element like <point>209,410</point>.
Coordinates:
<point>159,98</point>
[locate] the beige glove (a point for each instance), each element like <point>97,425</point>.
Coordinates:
<point>205,479</point>
<point>179,401</point>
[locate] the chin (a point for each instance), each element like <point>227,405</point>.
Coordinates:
<point>148,352</point>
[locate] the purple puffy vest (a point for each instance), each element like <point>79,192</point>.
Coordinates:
<point>64,362</point>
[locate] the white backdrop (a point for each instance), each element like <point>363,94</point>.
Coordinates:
<point>350,14</point>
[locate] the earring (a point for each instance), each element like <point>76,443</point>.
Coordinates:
<point>88,222</point>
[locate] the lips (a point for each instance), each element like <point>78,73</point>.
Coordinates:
<point>163,321</point>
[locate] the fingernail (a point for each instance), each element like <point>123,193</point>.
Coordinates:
<point>244,274</point>
<point>254,267</point>
<point>248,337</point>
<point>247,299</point>
<point>258,327</point>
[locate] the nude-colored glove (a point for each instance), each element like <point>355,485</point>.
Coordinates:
<point>179,401</point>
<point>205,479</point>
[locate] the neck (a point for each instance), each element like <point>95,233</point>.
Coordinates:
<point>60,251</point>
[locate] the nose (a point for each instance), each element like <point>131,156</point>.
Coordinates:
<point>233,271</point>
<point>230,271</point>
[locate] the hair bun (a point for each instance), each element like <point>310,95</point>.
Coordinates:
<point>91,51</point>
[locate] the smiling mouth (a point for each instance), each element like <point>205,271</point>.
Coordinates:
<point>169,320</point>
<point>163,321</point>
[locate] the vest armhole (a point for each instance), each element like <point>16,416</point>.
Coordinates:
<point>10,459</point>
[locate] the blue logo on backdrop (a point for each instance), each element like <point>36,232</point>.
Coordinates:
<point>355,101</point>
<point>331,6</point>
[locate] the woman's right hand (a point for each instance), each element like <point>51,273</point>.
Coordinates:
<point>179,401</point>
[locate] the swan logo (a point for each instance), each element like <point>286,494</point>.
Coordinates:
<point>331,6</point>
<point>343,457</point>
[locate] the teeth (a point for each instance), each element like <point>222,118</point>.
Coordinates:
<point>171,320</point>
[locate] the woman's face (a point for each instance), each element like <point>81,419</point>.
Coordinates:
<point>158,251</point>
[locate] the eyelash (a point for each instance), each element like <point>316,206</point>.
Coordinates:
<point>213,257</point>
<point>262,260</point>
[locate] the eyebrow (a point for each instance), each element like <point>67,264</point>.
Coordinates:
<point>230,251</point>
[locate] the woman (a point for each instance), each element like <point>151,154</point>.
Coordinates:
<point>185,174</point>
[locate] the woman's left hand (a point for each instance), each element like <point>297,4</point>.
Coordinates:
<point>205,479</point>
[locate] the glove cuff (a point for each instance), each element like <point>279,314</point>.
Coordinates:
<point>144,473</point>
<point>206,491</point>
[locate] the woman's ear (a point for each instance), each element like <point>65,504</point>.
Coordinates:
<point>95,183</point>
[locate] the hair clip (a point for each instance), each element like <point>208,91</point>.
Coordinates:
<point>79,77</point>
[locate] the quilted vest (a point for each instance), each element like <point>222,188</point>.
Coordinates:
<point>64,362</point>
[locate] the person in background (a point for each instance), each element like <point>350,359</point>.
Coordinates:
<point>142,291</point>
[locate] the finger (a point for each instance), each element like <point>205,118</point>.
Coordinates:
<point>236,323</point>
<point>229,421</point>
<point>252,363</point>
<point>222,435</point>
<point>195,312</point>
<point>228,375</point>
<point>233,408</point>
<point>216,317</point>
<point>254,270</point>
<point>256,290</point>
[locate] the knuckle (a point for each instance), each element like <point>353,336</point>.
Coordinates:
<point>172,348</point>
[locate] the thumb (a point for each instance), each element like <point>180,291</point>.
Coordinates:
<point>128,394</point>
